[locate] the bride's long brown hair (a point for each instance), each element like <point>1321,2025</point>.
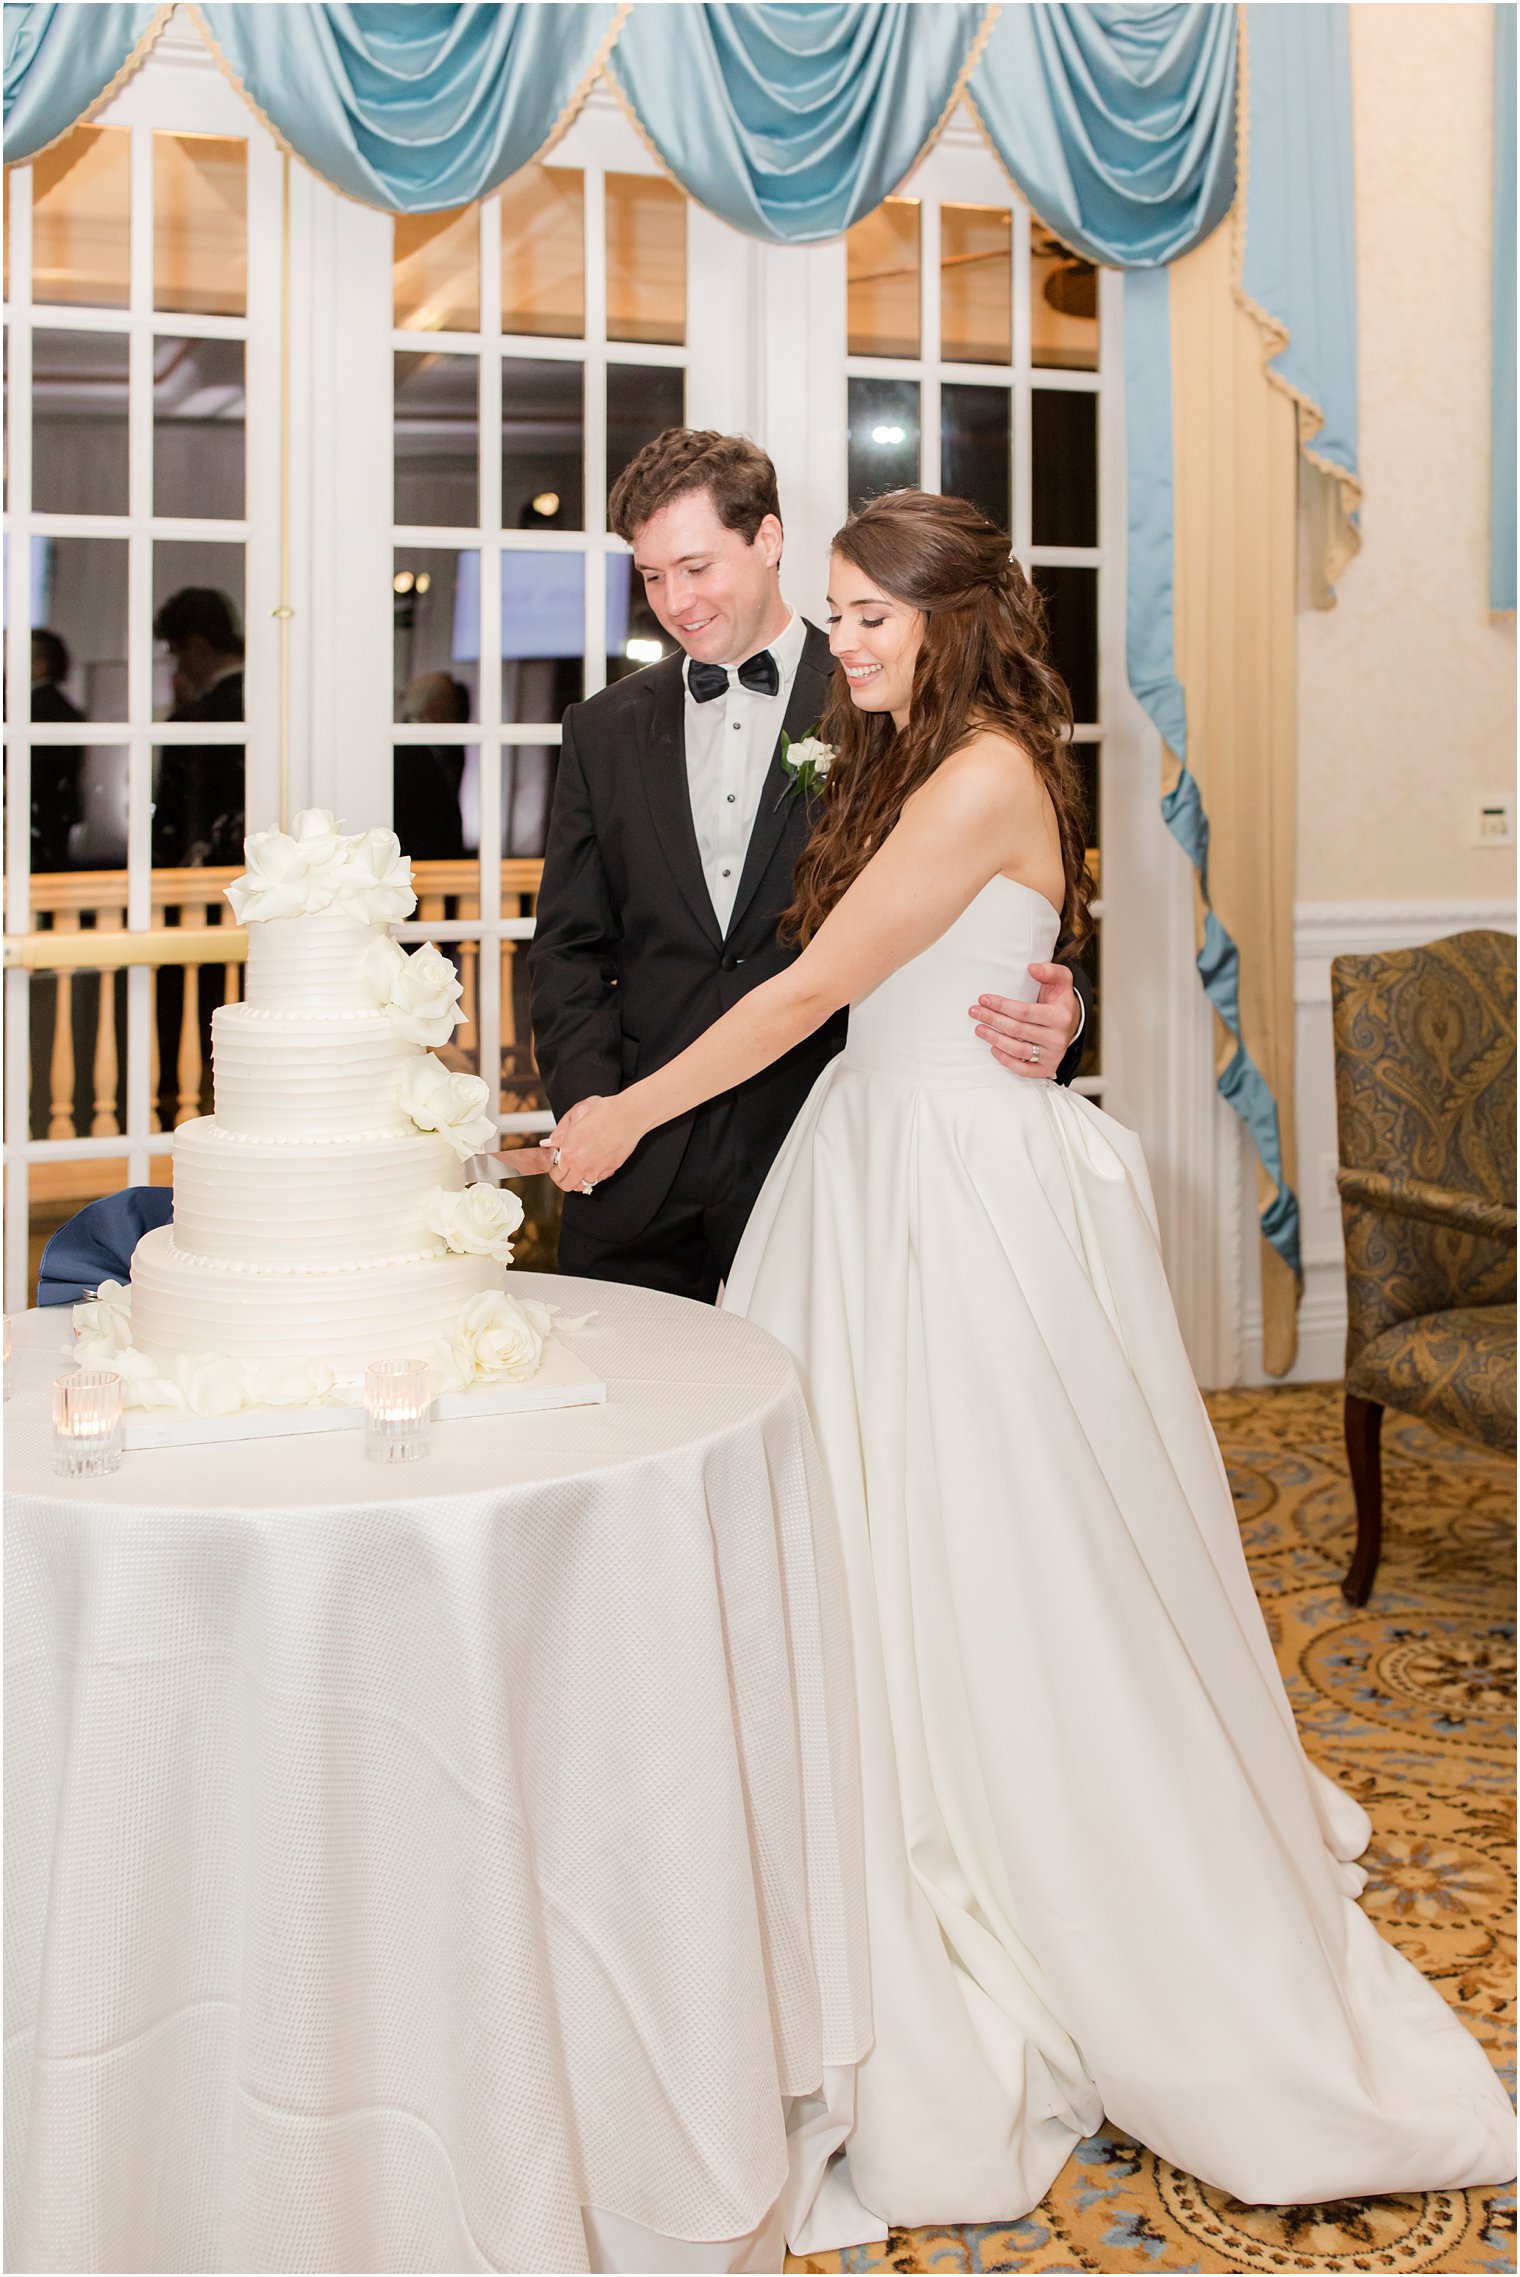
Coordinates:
<point>984,662</point>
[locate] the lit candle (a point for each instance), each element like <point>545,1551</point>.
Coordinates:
<point>397,1408</point>
<point>87,1423</point>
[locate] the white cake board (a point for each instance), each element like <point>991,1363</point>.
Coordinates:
<point>562,1381</point>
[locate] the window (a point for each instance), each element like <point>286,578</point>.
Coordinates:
<point>974,367</point>
<point>129,313</point>
<point>464,388</point>
<point>551,317</point>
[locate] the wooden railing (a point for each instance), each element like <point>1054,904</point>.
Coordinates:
<point>79,943</point>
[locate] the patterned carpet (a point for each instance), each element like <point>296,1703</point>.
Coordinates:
<point>1410,1704</point>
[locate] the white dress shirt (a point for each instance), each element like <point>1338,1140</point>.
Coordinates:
<point>730,741</point>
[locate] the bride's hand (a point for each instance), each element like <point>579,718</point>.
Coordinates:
<point>592,1141</point>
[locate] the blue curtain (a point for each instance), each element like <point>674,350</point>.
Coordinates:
<point>415,108</point>
<point>1501,525</point>
<point>1116,122</point>
<point>792,121</point>
<point>1298,252</point>
<point>58,61</point>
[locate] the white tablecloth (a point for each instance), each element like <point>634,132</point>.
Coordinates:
<point>400,1862</point>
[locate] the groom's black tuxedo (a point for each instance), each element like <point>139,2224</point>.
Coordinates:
<point>629,965</point>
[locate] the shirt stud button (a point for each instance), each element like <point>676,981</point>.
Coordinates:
<point>731,797</point>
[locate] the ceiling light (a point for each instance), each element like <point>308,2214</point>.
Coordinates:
<point>643,651</point>
<point>887,435</point>
<point>424,581</point>
<point>546,504</point>
<point>402,582</point>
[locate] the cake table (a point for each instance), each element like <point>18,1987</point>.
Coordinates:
<point>445,1867</point>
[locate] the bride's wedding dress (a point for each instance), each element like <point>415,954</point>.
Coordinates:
<point>1101,1874</point>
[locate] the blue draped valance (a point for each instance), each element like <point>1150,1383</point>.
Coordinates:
<point>1116,122</point>
<point>792,122</point>
<point>415,108</point>
<point>59,61</point>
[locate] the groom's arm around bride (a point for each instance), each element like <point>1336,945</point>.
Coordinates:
<point>674,837</point>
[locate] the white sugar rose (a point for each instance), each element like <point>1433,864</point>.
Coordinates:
<point>278,882</point>
<point>315,831</point>
<point>143,1384</point>
<point>286,1383</point>
<point>479,1222</point>
<point>211,1385</point>
<point>495,1342</point>
<point>104,1324</point>
<point>418,993</point>
<point>373,879</point>
<point>451,1105</point>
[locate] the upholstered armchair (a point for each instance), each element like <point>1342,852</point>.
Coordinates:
<point>1425,1098</point>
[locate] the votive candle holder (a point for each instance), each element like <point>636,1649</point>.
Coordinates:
<point>398,1408</point>
<point>87,1426</point>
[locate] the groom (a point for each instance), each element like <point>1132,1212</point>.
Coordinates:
<point>675,832</point>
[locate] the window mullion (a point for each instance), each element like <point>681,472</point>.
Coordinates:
<point>1023,317</point>
<point>929,283</point>
<point>488,958</point>
<point>596,428</point>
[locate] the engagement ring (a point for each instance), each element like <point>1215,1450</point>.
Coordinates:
<point>1034,1052</point>
<point>588,1186</point>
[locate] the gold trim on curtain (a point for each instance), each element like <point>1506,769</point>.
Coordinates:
<point>1235,450</point>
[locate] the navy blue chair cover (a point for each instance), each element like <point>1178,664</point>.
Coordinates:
<point>97,1244</point>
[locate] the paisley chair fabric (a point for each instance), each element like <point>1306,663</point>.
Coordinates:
<point>1425,1099</point>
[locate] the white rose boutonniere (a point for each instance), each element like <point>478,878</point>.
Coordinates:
<point>807,761</point>
<point>418,993</point>
<point>479,1222</point>
<point>451,1105</point>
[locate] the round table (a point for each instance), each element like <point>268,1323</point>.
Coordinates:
<point>412,1868</point>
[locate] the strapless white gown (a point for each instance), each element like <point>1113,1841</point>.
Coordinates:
<point>1101,1874</point>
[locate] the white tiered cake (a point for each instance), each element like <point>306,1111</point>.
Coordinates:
<point>321,1214</point>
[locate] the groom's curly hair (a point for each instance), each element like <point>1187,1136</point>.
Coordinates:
<point>984,662</point>
<point>735,473</point>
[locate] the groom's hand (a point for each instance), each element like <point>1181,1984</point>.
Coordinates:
<point>1031,1039</point>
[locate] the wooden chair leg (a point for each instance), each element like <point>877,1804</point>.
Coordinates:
<point>1364,1424</point>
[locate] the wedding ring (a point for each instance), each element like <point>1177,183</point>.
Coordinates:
<point>554,1158</point>
<point>1034,1053</point>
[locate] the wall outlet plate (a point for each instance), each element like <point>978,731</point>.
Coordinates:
<point>1493,819</point>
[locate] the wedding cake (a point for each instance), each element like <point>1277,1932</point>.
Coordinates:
<point>322,1217</point>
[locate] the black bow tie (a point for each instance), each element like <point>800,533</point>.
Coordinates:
<point>758,672</point>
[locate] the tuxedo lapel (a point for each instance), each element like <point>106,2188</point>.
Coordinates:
<point>780,796</point>
<point>663,770</point>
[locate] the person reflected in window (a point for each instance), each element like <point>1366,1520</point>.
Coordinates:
<point>55,767</point>
<point>198,796</point>
<point>425,806</point>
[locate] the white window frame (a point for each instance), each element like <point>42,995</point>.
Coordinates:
<point>174,91</point>
<point>766,356</point>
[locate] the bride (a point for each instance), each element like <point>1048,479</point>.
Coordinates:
<point>1101,1875</point>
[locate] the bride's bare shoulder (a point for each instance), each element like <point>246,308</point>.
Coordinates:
<point>990,769</point>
